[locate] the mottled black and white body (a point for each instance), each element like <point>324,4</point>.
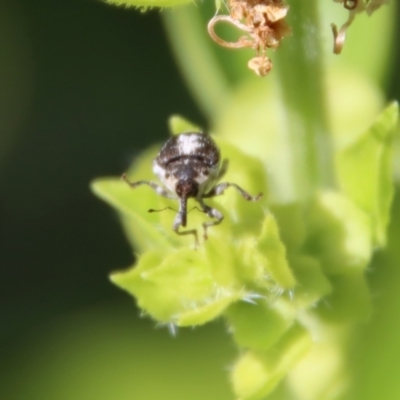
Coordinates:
<point>189,166</point>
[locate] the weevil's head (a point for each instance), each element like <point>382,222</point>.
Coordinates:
<point>186,188</point>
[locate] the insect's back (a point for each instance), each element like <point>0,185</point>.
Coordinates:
<point>190,161</point>
<point>190,145</point>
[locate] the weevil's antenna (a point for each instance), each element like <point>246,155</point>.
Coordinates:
<point>196,208</point>
<point>151,210</point>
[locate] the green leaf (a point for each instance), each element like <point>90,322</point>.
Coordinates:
<point>340,234</point>
<point>323,372</point>
<point>256,374</point>
<point>350,299</point>
<point>142,229</point>
<point>292,226</point>
<point>272,254</point>
<point>176,286</point>
<point>148,3</point>
<point>248,172</point>
<point>178,124</point>
<point>211,309</point>
<point>259,326</point>
<point>365,171</point>
<point>312,285</point>
<point>354,103</point>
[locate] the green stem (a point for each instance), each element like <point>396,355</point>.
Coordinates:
<point>191,44</point>
<point>299,69</point>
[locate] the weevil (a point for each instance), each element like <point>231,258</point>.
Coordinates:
<point>189,166</point>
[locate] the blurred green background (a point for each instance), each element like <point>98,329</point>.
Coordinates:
<point>84,88</point>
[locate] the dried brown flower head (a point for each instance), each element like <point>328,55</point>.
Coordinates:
<point>354,7</point>
<point>263,22</point>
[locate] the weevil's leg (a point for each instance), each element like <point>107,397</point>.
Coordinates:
<point>221,187</point>
<point>155,186</point>
<point>178,223</point>
<point>223,169</point>
<point>180,220</point>
<point>212,213</point>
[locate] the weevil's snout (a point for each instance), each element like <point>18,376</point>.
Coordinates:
<point>187,188</point>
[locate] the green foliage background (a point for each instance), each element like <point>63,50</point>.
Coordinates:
<point>87,87</point>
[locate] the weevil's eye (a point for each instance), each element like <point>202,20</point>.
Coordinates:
<point>206,172</point>
<point>186,188</point>
<point>167,175</point>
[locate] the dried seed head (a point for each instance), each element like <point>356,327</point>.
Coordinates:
<point>263,22</point>
<point>261,65</point>
<point>354,7</point>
